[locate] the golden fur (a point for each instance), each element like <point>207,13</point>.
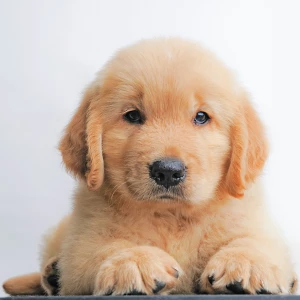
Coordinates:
<point>121,236</point>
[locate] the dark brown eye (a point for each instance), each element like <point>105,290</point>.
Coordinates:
<point>201,118</point>
<point>133,116</point>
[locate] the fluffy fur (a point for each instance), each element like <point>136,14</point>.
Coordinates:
<point>126,234</point>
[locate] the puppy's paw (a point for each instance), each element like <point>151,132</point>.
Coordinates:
<point>137,271</point>
<point>244,272</point>
<point>50,277</point>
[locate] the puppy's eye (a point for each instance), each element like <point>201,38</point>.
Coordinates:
<point>133,116</point>
<point>201,118</point>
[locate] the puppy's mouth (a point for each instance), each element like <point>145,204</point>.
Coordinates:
<point>170,194</point>
<point>168,197</point>
<point>157,193</point>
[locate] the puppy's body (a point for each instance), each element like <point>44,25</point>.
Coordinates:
<point>169,149</point>
<point>191,234</point>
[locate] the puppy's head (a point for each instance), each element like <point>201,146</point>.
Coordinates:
<point>165,121</point>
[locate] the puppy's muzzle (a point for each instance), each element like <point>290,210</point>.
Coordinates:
<point>168,172</point>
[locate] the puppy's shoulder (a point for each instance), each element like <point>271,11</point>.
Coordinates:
<point>88,203</point>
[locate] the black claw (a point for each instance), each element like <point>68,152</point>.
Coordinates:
<point>176,273</point>
<point>236,288</point>
<point>159,286</point>
<point>211,279</point>
<point>262,291</point>
<point>53,280</point>
<point>134,293</point>
<point>109,293</point>
<point>293,283</point>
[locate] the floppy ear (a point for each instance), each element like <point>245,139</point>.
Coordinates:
<point>249,150</point>
<point>81,144</point>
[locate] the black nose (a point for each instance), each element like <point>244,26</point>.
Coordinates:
<point>168,172</point>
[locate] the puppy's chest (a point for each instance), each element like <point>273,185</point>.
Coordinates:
<point>177,235</point>
<point>183,244</point>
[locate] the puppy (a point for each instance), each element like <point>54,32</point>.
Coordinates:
<point>168,150</point>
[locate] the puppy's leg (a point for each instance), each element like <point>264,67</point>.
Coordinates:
<point>249,266</point>
<point>45,283</point>
<point>119,269</point>
<point>29,284</point>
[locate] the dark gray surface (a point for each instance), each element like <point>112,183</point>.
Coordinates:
<point>173,297</point>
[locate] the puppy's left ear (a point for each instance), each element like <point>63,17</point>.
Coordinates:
<point>249,149</point>
<point>81,144</point>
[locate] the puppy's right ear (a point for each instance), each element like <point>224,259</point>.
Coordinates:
<point>81,144</point>
<point>249,149</point>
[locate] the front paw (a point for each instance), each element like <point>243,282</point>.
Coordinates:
<point>240,271</point>
<point>50,277</point>
<point>140,270</point>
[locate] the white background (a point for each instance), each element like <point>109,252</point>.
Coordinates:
<point>50,50</point>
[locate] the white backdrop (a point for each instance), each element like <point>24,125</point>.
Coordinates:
<point>50,50</point>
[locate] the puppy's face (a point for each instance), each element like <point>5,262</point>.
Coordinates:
<point>165,121</point>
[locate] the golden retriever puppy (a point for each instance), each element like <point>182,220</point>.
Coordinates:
<point>168,150</point>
